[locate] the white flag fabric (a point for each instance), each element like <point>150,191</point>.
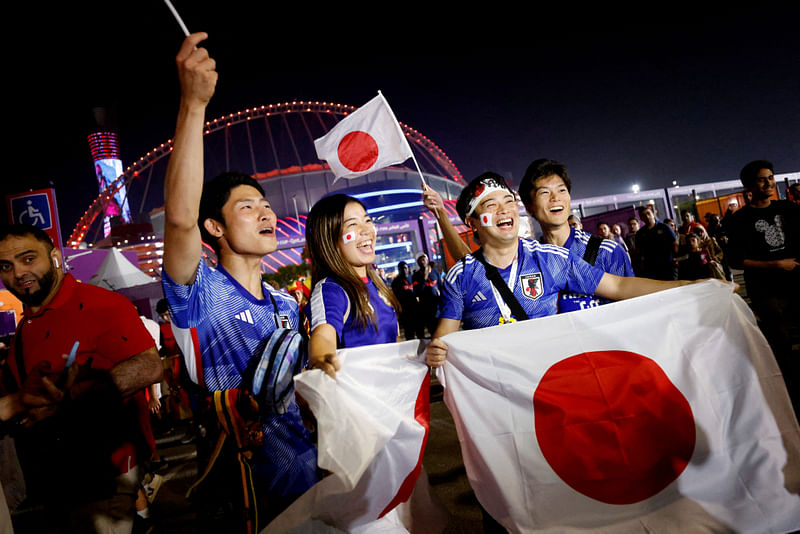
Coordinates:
<point>373,423</point>
<point>368,139</point>
<point>664,413</point>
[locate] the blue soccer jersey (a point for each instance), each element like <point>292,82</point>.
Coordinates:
<point>330,305</point>
<point>611,258</point>
<point>221,329</point>
<point>542,271</point>
<point>220,326</point>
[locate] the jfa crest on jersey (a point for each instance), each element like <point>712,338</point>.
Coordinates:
<point>532,286</point>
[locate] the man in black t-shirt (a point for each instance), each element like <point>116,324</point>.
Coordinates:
<point>657,244</point>
<point>765,242</point>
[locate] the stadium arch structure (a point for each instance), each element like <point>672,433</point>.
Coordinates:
<point>274,144</point>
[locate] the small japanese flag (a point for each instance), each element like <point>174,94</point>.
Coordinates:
<point>486,219</point>
<point>366,140</point>
<point>348,237</point>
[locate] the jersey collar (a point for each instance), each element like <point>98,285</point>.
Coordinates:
<point>568,243</point>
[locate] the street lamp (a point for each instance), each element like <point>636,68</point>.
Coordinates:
<point>635,188</point>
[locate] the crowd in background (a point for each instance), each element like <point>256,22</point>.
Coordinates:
<point>660,249</point>
<point>83,413</point>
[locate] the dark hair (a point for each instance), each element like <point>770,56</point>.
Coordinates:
<point>642,209</point>
<point>601,223</point>
<point>633,219</point>
<point>794,191</point>
<point>162,306</point>
<point>467,194</point>
<point>22,230</point>
<point>323,232</point>
<point>216,193</point>
<point>750,171</point>
<point>541,168</point>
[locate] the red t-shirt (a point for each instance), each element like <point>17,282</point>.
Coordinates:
<point>105,323</point>
<point>168,343</point>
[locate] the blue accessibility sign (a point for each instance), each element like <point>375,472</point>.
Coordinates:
<point>33,209</point>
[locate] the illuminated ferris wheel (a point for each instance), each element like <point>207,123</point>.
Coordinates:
<point>273,143</point>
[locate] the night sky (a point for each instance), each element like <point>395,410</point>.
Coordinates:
<point>620,98</point>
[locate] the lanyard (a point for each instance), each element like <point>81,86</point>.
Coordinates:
<point>505,311</point>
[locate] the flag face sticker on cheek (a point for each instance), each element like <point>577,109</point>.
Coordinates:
<point>349,237</point>
<point>486,219</point>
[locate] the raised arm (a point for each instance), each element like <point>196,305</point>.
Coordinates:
<point>452,240</point>
<point>183,184</point>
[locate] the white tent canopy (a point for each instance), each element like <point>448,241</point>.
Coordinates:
<point>116,272</point>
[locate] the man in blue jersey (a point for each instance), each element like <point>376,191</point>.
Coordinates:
<point>545,192</point>
<point>222,316</point>
<point>534,273</point>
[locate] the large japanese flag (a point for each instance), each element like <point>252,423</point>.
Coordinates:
<point>366,140</point>
<point>665,413</point>
<point>373,423</point>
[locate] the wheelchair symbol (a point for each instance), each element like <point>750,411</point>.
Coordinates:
<point>32,214</point>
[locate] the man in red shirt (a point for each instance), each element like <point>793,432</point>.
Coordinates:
<point>77,439</point>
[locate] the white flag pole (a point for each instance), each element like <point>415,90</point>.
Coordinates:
<point>403,135</point>
<point>177,17</point>
<point>413,158</point>
<point>296,214</point>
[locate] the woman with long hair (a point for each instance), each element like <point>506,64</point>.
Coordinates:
<point>350,305</point>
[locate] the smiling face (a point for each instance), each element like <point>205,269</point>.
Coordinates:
<point>550,201</point>
<point>357,238</point>
<point>502,224</point>
<point>764,185</point>
<point>249,224</point>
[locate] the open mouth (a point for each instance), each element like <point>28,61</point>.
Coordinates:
<point>506,222</point>
<point>556,209</point>
<point>26,284</point>
<point>365,246</point>
<point>266,231</point>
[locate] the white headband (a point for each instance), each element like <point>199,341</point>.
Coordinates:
<point>485,187</point>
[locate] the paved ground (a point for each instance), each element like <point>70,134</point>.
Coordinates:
<point>173,513</point>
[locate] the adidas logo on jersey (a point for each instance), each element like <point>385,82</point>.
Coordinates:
<point>245,317</point>
<point>479,297</point>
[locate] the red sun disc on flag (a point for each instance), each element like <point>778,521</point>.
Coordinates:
<point>613,426</point>
<point>358,151</point>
